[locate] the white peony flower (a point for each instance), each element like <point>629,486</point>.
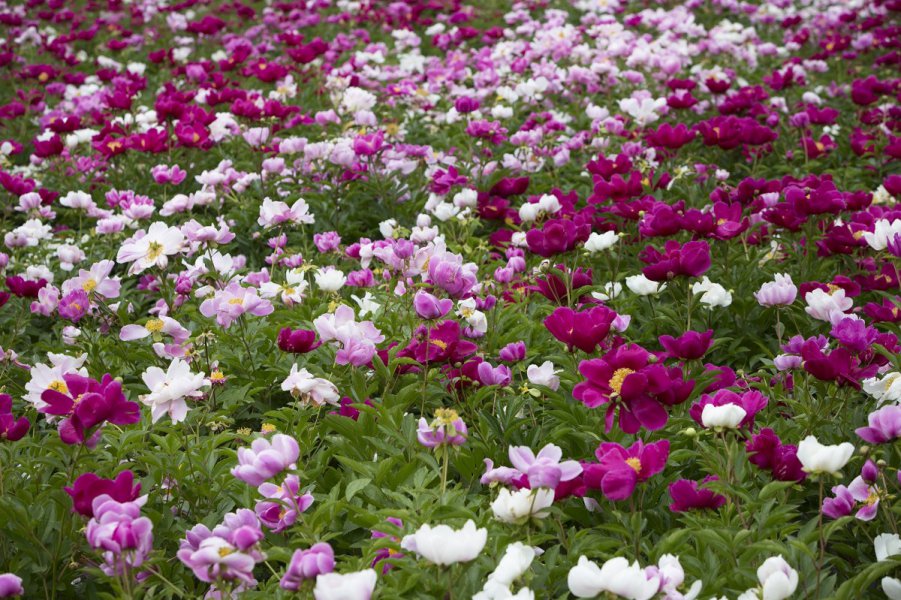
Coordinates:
<point>170,388</point>
<point>442,545</point>
<point>598,242</point>
<point>641,285</point>
<point>522,505</point>
<point>817,458</point>
<point>727,416</point>
<point>617,576</point>
<point>314,390</point>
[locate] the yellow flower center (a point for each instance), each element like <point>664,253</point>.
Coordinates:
<point>616,382</point>
<point>236,301</point>
<point>872,499</point>
<point>225,551</point>
<point>217,376</point>
<point>59,386</point>
<point>154,325</point>
<point>154,250</point>
<point>832,288</point>
<point>267,428</point>
<point>635,464</point>
<point>446,416</point>
<point>89,285</point>
<point>440,343</point>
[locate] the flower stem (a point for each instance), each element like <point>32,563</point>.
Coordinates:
<point>822,540</point>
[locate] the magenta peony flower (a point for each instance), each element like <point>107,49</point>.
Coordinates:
<point>89,486</point>
<point>691,259</point>
<point>767,451</point>
<point>11,429</point>
<point>625,379</point>
<point>691,345</point>
<point>74,305</point>
<point>619,470</point>
<point>297,341</point>
<point>584,330</point>
<point>688,495</point>
<point>87,404</point>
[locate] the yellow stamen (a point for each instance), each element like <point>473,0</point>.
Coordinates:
<point>154,250</point>
<point>59,386</point>
<point>635,464</point>
<point>616,382</point>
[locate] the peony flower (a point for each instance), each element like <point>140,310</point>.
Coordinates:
<point>884,232</point>
<point>726,409</point>
<point>228,304</point>
<point>429,307</point>
<point>329,279</point>
<point>780,292</point>
<point>266,459</point>
<point>712,294</point>
<point>584,330</point>
<point>170,388</point>
<point>515,562</point>
<point>688,495</point>
<point>598,242</point>
<point>297,341</point>
<point>544,470</point>
<point>691,345</point>
<point>86,404</point>
<point>283,505</point>
<point>627,381</point>
<point>276,212</point>
<point>642,286</point>
<point>315,391</point>
<point>448,429</point>
<point>617,577</point>
<point>884,425</point>
<point>545,375</point>
<point>443,546</point>
<point>345,586</point>
<point>778,580</point>
<point>817,458</point>
<point>319,559</point>
<point>619,470</point>
<point>151,248</point>
<point>727,416</point>
<point>827,306</point>
<point>11,428</point>
<point>89,486</point>
<point>521,505</point>
<point>10,585</point>
<point>119,530</point>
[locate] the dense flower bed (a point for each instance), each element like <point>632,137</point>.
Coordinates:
<point>450,299</point>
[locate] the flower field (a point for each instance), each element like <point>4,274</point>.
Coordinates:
<point>540,299</point>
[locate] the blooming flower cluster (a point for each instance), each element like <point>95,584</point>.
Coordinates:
<point>513,299</point>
